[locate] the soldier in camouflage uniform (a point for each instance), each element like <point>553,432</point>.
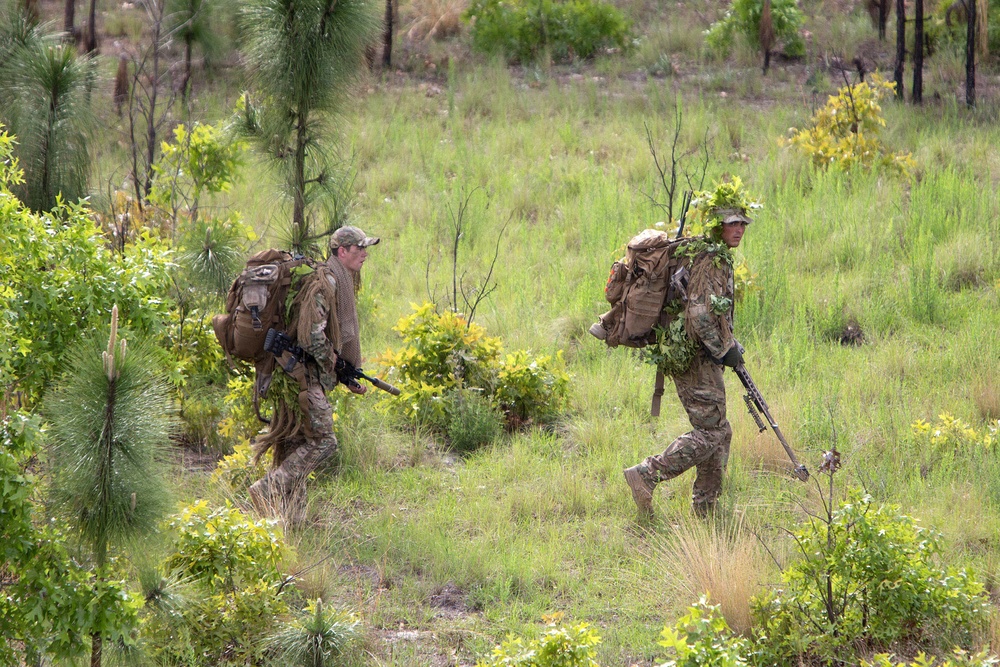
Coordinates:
<point>324,322</point>
<point>709,322</point>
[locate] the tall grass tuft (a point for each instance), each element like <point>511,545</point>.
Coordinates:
<point>721,558</point>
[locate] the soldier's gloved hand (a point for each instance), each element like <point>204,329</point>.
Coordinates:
<point>732,358</point>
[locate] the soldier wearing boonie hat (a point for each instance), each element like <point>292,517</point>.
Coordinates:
<point>708,314</point>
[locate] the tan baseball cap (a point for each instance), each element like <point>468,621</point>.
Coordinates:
<point>732,215</point>
<point>348,236</point>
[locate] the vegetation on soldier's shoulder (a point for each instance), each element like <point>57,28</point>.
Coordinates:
<point>446,360</point>
<point>845,132</point>
<point>526,30</point>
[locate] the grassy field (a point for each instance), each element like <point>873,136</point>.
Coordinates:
<point>443,555</point>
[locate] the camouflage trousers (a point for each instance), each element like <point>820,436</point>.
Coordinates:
<point>283,488</point>
<point>706,447</point>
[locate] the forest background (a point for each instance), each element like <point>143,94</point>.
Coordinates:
<point>504,177</point>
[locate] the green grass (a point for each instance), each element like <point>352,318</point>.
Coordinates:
<point>542,521</point>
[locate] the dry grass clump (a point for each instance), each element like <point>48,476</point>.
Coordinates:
<point>721,558</point>
<point>435,19</point>
<point>986,396</point>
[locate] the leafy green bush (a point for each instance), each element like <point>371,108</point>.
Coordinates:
<point>867,577</point>
<point>743,18</point>
<point>702,638</point>
<point>443,353</point>
<point>845,132</point>
<point>959,658</point>
<point>531,389</point>
<point>230,565</point>
<point>223,548</point>
<point>60,281</point>
<point>522,30</point>
<point>474,421</point>
<point>559,646</point>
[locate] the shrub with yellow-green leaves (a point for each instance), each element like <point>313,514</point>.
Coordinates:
<point>951,434</point>
<point>845,132</point>
<point>559,646</point>
<point>444,357</point>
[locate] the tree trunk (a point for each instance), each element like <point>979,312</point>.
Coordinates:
<point>187,67</point>
<point>883,18</point>
<point>154,87</point>
<point>299,185</point>
<point>95,650</point>
<point>69,19</point>
<point>918,52</point>
<point>91,44</point>
<point>900,47</point>
<point>970,53</point>
<point>387,37</point>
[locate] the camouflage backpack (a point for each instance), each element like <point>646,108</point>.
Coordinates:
<point>255,304</point>
<point>651,275</point>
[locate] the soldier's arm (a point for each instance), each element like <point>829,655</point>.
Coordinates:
<point>318,345</point>
<point>708,298</point>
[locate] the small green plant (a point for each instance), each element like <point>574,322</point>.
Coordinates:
<point>845,132</point>
<point>316,637</point>
<point>237,471</point>
<point>702,638</point>
<point>474,422</point>
<point>743,18</point>
<point>867,576</point>
<point>531,389</point>
<point>559,646</point>
<point>524,30</point>
<point>959,658</point>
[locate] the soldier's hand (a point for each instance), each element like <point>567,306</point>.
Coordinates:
<point>733,357</point>
<point>357,387</point>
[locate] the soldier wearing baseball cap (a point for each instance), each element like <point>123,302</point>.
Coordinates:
<point>351,236</point>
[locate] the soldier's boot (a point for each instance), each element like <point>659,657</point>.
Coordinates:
<point>642,482</point>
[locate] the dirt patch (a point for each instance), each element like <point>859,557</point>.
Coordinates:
<point>449,601</point>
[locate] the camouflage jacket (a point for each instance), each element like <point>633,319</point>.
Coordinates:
<point>709,310</point>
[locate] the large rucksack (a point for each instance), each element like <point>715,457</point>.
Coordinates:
<point>650,276</point>
<point>256,303</point>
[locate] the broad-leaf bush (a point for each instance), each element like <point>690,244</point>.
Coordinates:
<point>845,132</point>
<point>702,638</point>
<point>743,18</point>
<point>560,645</point>
<point>867,577</point>
<point>522,30</point>
<point>231,566</point>
<point>60,281</point>
<point>444,355</point>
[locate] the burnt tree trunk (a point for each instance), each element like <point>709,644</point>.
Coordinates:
<point>69,19</point>
<point>900,47</point>
<point>91,42</point>
<point>970,53</point>
<point>387,37</point>
<point>918,52</point>
<point>883,18</point>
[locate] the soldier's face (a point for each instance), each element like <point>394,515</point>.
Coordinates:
<point>352,257</point>
<point>732,233</point>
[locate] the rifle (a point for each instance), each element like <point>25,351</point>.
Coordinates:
<point>277,343</point>
<point>755,402</point>
<point>685,205</point>
<point>349,374</point>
